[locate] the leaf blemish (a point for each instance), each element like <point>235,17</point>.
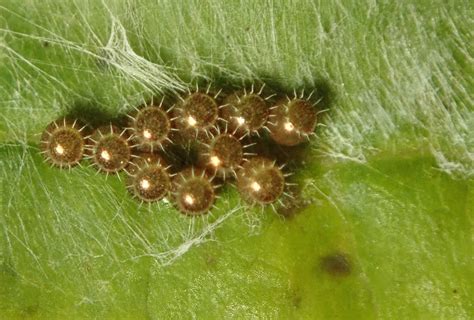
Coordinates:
<point>336,264</point>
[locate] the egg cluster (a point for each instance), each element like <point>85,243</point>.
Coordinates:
<point>218,134</point>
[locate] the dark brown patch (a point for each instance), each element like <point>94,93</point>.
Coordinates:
<point>337,265</point>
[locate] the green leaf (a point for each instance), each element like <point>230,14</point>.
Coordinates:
<point>383,228</point>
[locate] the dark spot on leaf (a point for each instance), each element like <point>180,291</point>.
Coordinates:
<point>297,300</point>
<point>30,310</point>
<point>455,291</point>
<point>294,297</point>
<point>337,265</point>
<point>210,260</point>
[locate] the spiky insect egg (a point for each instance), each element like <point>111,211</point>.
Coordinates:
<point>193,191</point>
<point>292,121</point>
<point>197,113</point>
<point>150,127</point>
<point>62,142</point>
<point>246,113</point>
<point>110,149</point>
<point>150,180</point>
<point>260,181</point>
<point>224,154</point>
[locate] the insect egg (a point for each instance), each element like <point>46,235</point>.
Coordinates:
<point>245,112</point>
<point>224,154</point>
<point>260,181</point>
<point>197,112</point>
<point>62,142</point>
<point>150,181</point>
<point>150,127</point>
<point>193,191</point>
<point>110,149</point>
<point>292,121</point>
